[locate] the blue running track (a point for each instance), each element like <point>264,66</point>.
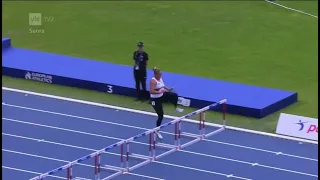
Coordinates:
<point>40,134</point>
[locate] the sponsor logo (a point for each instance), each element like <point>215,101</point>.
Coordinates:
<point>298,126</point>
<point>310,127</point>
<point>301,125</point>
<point>38,77</point>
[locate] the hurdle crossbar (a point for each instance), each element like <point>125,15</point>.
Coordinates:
<point>92,155</point>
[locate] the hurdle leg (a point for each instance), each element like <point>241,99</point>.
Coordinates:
<point>150,145</point>
<point>200,124</point>
<point>127,160</point>
<point>176,134</point>
<point>179,134</point>
<point>224,111</point>
<point>154,146</point>
<point>97,166</point>
<point>203,121</point>
<point>121,156</point>
<point>69,173</point>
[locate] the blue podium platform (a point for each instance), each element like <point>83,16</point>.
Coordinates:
<point>6,43</point>
<point>245,100</point>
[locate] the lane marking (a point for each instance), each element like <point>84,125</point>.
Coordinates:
<point>144,176</point>
<point>216,157</point>
<point>119,139</point>
<point>63,129</point>
<point>262,150</point>
<point>31,172</point>
<point>201,170</point>
<point>65,161</point>
<point>291,171</point>
<point>80,178</point>
<point>141,128</point>
<point>184,167</point>
<point>190,152</point>
<point>254,164</point>
<point>230,175</point>
<point>154,114</point>
<point>292,9</point>
<point>49,142</point>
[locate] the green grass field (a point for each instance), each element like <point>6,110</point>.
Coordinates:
<point>249,42</point>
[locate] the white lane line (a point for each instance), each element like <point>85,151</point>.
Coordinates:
<point>116,154</point>
<point>63,129</point>
<point>262,150</point>
<point>217,157</point>
<point>252,164</point>
<point>292,9</point>
<point>30,172</point>
<point>141,128</point>
<point>95,104</point>
<point>73,116</point>
<point>144,176</point>
<point>49,142</point>
<point>230,175</point>
<point>190,152</point>
<point>201,170</point>
<point>291,171</point>
<point>65,161</point>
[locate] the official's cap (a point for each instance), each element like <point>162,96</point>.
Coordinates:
<point>140,44</point>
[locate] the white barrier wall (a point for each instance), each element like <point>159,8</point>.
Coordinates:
<point>298,126</point>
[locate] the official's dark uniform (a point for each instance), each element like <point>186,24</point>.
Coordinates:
<point>140,58</point>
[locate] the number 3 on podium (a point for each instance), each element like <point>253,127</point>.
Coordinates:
<point>109,89</point>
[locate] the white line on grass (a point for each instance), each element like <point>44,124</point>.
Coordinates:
<point>190,152</point>
<point>296,10</point>
<point>141,128</point>
<point>154,114</point>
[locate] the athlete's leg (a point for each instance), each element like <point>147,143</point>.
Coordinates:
<point>157,106</point>
<point>172,97</point>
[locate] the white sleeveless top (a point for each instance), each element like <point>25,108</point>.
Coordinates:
<point>160,85</point>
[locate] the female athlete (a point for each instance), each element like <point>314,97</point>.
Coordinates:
<point>159,94</point>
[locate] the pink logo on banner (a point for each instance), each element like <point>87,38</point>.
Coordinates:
<point>313,128</point>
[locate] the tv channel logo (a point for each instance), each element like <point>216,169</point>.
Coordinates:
<point>35,19</point>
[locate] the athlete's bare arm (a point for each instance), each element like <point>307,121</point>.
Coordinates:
<point>168,89</point>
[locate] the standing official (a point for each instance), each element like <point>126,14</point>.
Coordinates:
<point>140,58</point>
